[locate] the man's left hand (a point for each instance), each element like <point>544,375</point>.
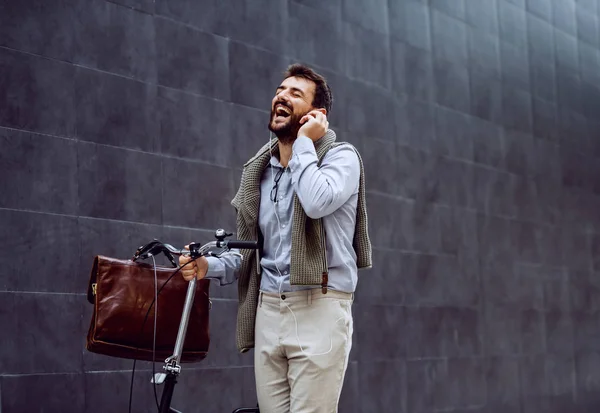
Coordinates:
<point>314,125</point>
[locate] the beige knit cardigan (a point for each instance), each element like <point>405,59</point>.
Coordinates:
<point>308,255</point>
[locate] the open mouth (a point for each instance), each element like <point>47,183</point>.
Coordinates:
<point>282,111</point>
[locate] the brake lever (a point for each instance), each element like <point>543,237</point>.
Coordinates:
<point>144,250</point>
<point>170,257</point>
<point>169,251</point>
<point>154,248</point>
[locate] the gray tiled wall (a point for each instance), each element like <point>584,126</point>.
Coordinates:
<point>478,121</point>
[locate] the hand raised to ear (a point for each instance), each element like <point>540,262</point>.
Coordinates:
<point>314,125</point>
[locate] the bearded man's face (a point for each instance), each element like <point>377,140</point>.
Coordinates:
<point>291,102</point>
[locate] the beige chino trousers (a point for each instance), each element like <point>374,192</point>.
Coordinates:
<point>302,344</point>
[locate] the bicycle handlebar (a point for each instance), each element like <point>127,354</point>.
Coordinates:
<point>242,245</point>
<point>195,250</point>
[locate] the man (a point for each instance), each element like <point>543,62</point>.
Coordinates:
<point>303,197</point>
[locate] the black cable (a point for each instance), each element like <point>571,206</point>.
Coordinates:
<point>142,330</point>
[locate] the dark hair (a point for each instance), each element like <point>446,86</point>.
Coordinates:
<point>323,97</point>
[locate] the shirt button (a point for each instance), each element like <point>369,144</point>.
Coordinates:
<point>283,296</point>
<point>283,226</point>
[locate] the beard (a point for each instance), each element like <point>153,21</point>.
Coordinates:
<point>285,128</point>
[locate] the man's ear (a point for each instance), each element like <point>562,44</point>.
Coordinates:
<point>322,110</point>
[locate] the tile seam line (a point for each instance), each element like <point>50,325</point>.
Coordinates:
<point>124,148</point>
<point>189,368</point>
<point>158,85</point>
<point>132,9</point>
<point>251,46</point>
<point>105,219</point>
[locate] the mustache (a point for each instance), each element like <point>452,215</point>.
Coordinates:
<point>284,103</point>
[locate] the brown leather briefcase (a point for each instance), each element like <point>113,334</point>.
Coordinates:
<point>122,292</point>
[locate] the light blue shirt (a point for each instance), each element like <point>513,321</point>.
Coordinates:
<point>329,192</point>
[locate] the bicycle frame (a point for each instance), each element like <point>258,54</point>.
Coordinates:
<point>172,364</point>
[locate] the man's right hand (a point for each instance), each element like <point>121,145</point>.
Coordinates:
<point>196,269</point>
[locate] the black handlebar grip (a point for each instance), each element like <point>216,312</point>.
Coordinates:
<point>243,245</point>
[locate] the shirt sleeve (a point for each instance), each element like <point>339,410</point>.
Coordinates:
<point>224,268</point>
<point>322,190</point>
